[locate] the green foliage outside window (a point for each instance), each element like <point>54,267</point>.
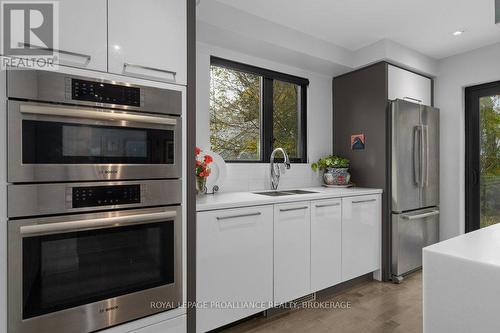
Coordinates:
<point>489,110</point>
<point>236,115</point>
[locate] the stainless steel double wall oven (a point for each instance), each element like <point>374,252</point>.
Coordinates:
<point>94,194</point>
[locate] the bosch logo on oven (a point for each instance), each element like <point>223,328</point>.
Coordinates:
<point>112,308</point>
<point>109,172</point>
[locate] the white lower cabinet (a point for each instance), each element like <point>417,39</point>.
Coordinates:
<point>234,264</point>
<point>251,258</point>
<point>326,243</point>
<point>174,325</point>
<point>361,235</point>
<point>292,250</point>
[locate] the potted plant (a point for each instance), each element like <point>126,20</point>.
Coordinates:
<point>335,170</point>
<point>202,170</point>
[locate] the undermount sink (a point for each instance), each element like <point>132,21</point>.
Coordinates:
<point>282,193</point>
<point>299,191</point>
<point>274,193</point>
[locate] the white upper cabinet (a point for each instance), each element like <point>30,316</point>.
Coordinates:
<point>292,249</point>
<point>147,39</point>
<point>326,243</point>
<point>409,86</point>
<point>361,235</point>
<point>82,34</point>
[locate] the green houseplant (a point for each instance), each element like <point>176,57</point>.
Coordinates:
<point>335,170</point>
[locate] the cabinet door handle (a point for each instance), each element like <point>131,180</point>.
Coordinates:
<point>220,218</point>
<point>164,71</point>
<point>362,201</point>
<point>291,209</point>
<point>328,205</point>
<point>413,99</point>
<point>76,54</point>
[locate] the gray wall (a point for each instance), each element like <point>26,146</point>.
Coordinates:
<point>360,106</point>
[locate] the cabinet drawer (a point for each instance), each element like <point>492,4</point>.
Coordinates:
<point>292,246</point>
<point>361,235</point>
<point>409,86</point>
<point>83,37</point>
<point>234,263</point>
<point>326,243</point>
<point>148,39</point>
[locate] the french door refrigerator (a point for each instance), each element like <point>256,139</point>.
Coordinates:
<point>414,184</point>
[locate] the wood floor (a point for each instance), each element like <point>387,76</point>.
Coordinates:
<point>375,307</point>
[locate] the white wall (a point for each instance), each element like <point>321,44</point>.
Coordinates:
<point>225,26</point>
<point>397,54</point>
<point>255,176</point>
<point>456,73</point>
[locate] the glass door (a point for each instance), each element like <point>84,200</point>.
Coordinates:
<point>482,156</point>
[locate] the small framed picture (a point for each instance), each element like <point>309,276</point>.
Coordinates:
<point>358,142</point>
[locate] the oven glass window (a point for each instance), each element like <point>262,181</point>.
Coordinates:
<point>67,270</point>
<point>67,143</point>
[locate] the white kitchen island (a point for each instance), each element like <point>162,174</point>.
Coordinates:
<point>461,283</point>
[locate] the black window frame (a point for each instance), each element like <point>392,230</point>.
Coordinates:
<point>472,152</point>
<point>267,91</point>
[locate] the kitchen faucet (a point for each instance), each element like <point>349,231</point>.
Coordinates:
<point>275,167</point>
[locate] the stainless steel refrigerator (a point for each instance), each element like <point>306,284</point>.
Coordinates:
<point>414,184</point>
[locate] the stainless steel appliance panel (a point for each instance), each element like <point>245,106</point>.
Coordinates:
<point>430,125</point>
<point>411,232</point>
<point>19,171</point>
<point>101,313</point>
<point>56,198</point>
<point>406,156</point>
<point>45,86</point>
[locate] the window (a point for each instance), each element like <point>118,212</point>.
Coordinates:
<point>254,110</point>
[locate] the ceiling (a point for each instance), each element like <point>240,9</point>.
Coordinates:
<point>423,25</point>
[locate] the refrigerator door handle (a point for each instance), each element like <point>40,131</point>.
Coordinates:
<point>422,156</point>
<point>425,133</point>
<point>420,216</point>
<point>416,156</point>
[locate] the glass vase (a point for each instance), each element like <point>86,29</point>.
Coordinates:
<point>201,187</point>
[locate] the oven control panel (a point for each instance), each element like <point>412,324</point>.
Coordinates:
<point>101,92</point>
<point>95,196</point>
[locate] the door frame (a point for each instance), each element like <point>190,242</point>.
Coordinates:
<point>472,158</point>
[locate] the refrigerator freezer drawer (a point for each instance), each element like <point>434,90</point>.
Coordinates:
<point>411,232</point>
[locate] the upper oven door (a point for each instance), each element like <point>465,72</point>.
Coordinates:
<point>48,142</point>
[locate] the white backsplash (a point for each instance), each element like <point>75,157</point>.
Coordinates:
<point>255,177</point>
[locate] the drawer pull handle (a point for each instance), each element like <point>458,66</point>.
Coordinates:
<point>291,209</point>
<point>220,218</point>
<point>420,216</point>
<point>328,205</point>
<point>362,201</point>
<point>151,69</point>
<point>76,54</point>
<point>413,99</point>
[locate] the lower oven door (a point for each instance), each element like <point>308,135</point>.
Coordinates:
<point>86,272</point>
<point>49,142</point>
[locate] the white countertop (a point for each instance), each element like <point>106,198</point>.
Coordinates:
<point>245,199</point>
<point>460,283</point>
<point>481,246</point>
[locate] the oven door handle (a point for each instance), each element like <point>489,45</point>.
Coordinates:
<point>106,222</point>
<point>99,115</point>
